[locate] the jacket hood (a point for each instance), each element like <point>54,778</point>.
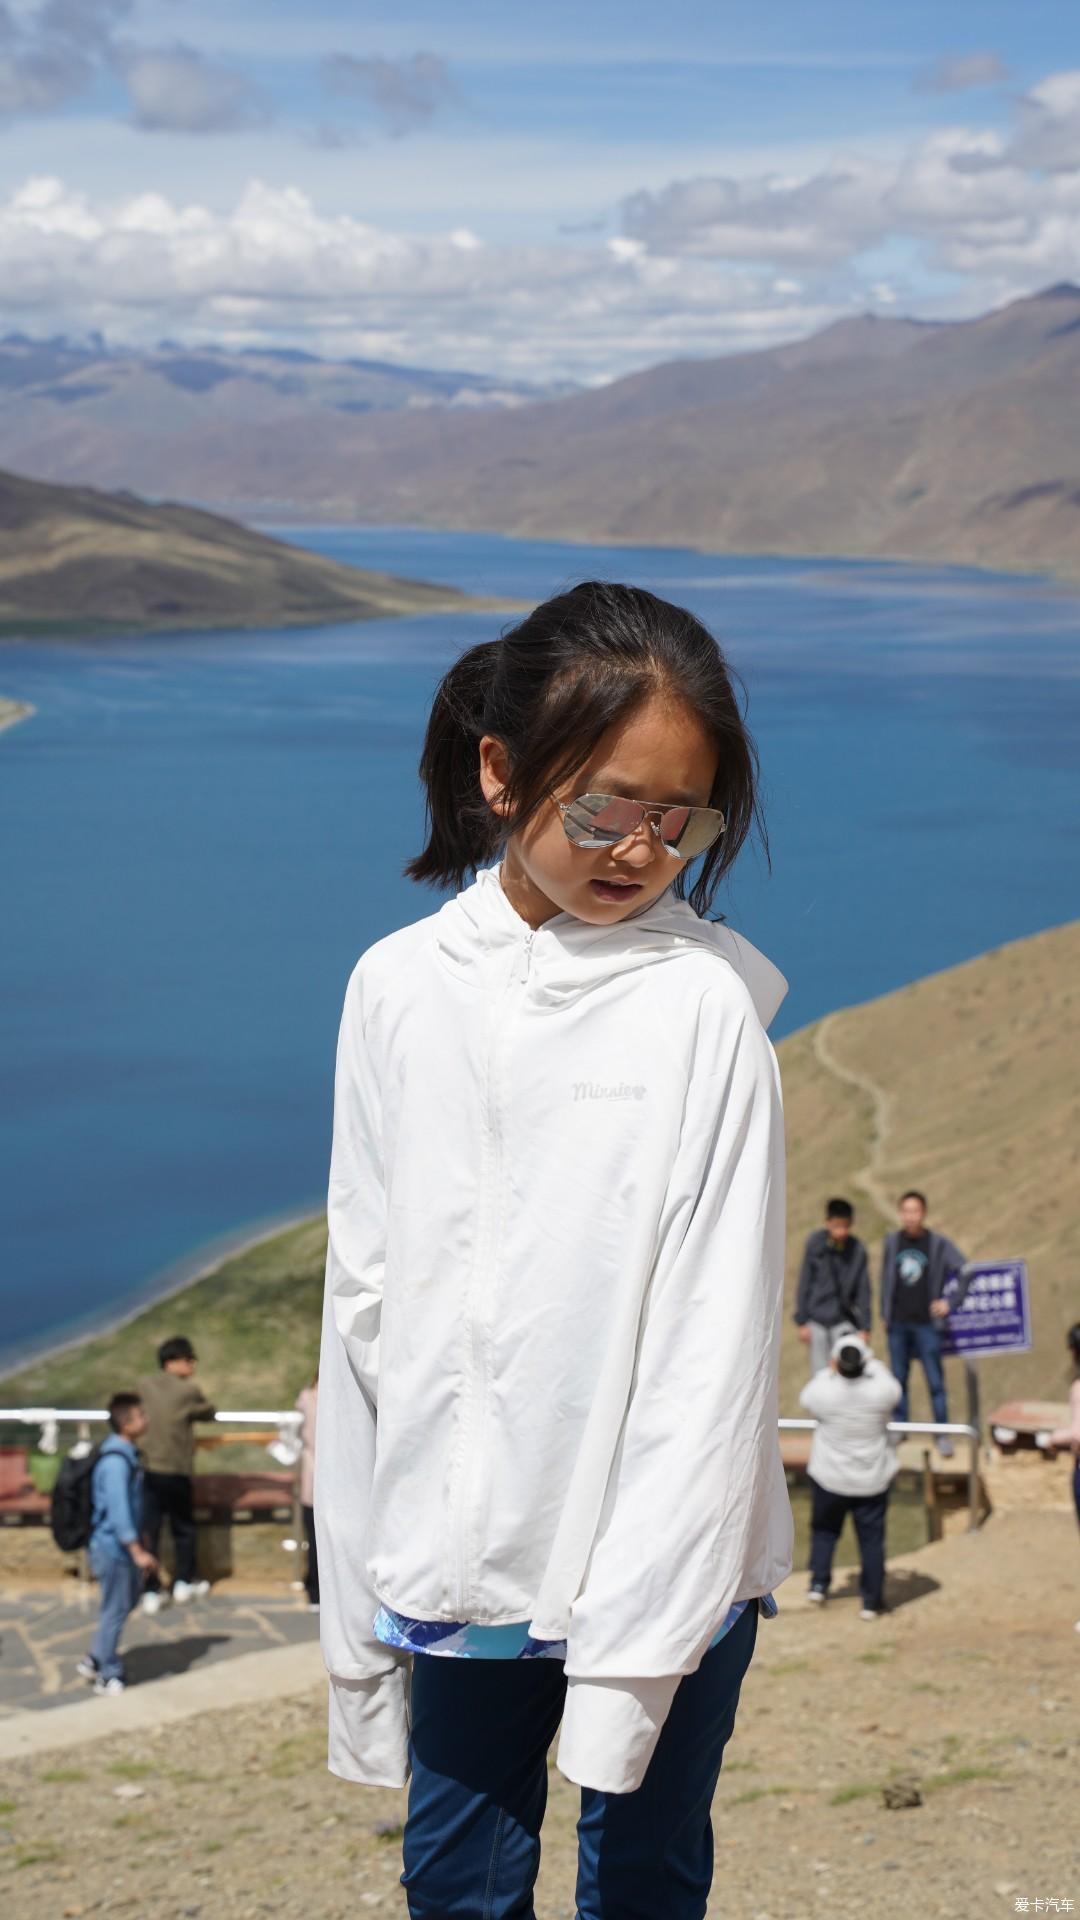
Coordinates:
<point>570,956</point>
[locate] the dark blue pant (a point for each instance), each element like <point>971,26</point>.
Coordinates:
<point>827,1517</point>
<point>1076,1488</point>
<point>120,1583</point>
<point>481,1730</point>
<point>918,1342</point>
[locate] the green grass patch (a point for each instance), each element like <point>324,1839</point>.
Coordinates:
<point>959,1777</point>
<point>39,1857</point>
<point>8,1806</point>
<point>859,1790</point>
<point>131,1769</point>
<point>875,1656</point>
<point>790,1666</point>
<point>63,1776</point>
<point>762,1793</point>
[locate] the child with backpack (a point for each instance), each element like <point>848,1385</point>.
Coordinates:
<point>118,1560</point>
<point>548,1484</point>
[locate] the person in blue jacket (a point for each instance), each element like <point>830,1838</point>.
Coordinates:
<point>118,1560</point>
<point>918,1268</point>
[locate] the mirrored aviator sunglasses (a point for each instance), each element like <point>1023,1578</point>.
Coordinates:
<point>605,819</point>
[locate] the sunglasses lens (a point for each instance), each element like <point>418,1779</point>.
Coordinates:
<point>687,831</point>
<point>600,820</point>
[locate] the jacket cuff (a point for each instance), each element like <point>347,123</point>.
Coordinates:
<point>369,1729</point>
<point>610,1729</point>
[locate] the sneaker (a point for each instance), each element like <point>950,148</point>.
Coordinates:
<point>152,1602</point>
<point>945,1447</point>
<point>185,1590</point>
<point>869,1613</point>
<point>115,1685</point>
<point>313,1606</point>
<point>86,1668</point>
<point>817,1595</point>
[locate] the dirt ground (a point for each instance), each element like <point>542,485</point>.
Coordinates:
<point>970,1685</point>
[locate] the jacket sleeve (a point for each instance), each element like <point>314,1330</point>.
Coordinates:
<point>116,1477</point>
<point>802,1296</point>
<point>199,1407</point>
<point>688,1502</point>
<point>886,1278</point>
<point>955,1269</point>
<point>368,1681</point>
<point>810,1398</point>
<point>862,1293</point>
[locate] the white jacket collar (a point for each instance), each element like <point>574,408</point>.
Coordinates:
<point>569,956</point>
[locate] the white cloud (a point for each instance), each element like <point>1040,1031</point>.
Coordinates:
<point>274,268</point>
<point>177,90</point>
<point>961,72</point>
<point>818,220</point>
<point>405,93</point>
<point>49,52</point>
<point>999,209</point>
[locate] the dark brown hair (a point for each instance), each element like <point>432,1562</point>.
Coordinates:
<point>549,689</point>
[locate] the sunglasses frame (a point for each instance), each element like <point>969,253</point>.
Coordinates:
<point>652,811</point>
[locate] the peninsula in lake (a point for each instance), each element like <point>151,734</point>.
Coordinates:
<point>76,560</point>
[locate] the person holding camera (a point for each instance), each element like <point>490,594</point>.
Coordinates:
<point>852,1464</point>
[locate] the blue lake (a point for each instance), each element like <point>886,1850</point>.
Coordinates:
<point>199,835</point>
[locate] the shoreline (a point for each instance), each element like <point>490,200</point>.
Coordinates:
<point>200,1264</point>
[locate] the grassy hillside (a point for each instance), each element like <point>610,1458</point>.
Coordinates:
<point>73,559</point>
<point>963,1084</point>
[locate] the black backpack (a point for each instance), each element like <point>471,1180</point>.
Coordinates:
<point>73,1500</point>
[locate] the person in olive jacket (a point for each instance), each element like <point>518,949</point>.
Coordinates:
<point>834,1284</point>
<point>173,1404</point>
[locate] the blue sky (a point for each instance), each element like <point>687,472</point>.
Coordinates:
<point>556,192</point>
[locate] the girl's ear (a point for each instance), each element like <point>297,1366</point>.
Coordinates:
<point>494,772</point>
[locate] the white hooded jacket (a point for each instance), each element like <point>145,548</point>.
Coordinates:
<point>555,1269</point>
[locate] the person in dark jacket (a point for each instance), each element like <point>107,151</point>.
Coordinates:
<point>174,1402</point>
<point>917,1267</point>
<point>834,1285</point>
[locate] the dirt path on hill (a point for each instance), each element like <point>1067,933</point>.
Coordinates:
<point>867,1177</point>
<point>971,1684</point>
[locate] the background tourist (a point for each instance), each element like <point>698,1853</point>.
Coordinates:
<point>307,1401</point>
<point>851,1465</point>
<point>174,1403</point>
<point>834,1284</point>
<point>118,1559</point>
<point>916,1267</point>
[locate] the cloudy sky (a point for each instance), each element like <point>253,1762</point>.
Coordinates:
<point>566,191</point>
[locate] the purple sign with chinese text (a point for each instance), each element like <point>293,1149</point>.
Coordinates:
<point>996,1313</point>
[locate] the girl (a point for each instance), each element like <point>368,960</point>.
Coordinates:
<point>548,1481</point>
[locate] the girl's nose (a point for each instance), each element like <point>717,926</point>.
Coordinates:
<point>639,847</point>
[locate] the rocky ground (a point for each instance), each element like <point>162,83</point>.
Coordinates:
<point>969,1687</point>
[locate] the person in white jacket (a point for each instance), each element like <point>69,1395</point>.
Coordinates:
<point>852,1464</point>
<point>548,1479</point>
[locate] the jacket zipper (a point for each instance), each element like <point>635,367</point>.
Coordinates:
<point>483,1269</point>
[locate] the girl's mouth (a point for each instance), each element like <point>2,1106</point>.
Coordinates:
<point>620,890</point>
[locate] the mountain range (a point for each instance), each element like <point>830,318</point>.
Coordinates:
<point>881,436</point>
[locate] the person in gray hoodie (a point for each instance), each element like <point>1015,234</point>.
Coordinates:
<point>919,1268</point>
<point>852,1464</point>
